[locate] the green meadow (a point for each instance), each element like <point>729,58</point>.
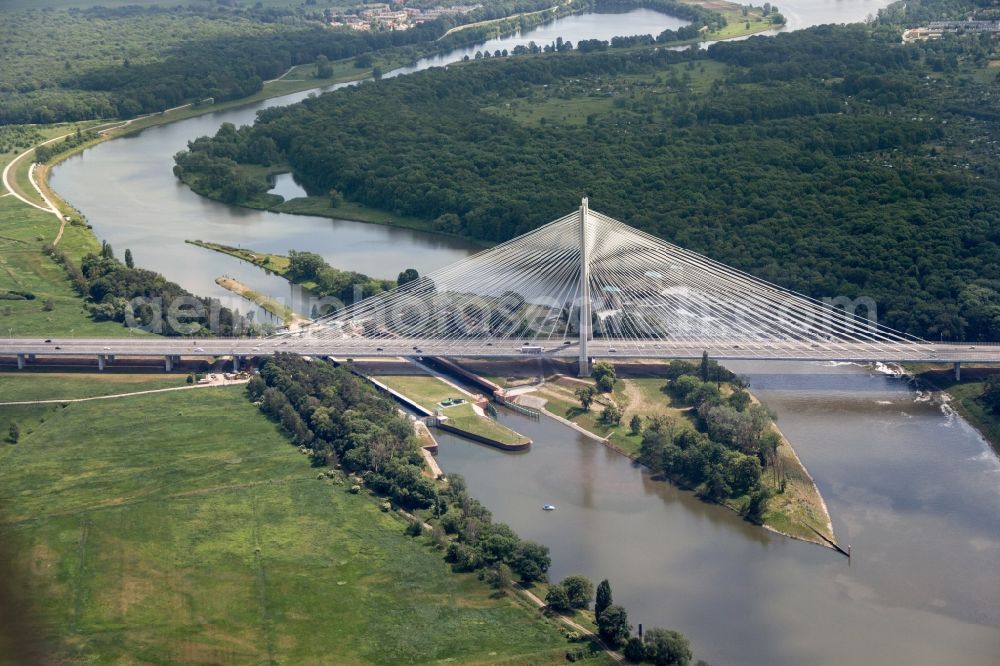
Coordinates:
<point>183,527</point>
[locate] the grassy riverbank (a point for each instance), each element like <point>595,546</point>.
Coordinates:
<point>197,533</point>
<point>54,308</point>
<point>283,312</point>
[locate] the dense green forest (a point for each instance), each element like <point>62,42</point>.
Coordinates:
<point>829,160</point>
<point>104,62</point>
<point>912,13</point>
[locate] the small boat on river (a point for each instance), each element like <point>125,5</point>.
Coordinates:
<point>549,507</point>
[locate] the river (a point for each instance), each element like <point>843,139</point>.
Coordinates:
<point>914,490</point>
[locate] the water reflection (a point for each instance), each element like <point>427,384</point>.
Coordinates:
<point>287,187</point>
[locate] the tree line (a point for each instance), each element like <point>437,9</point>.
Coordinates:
<point>341,420</point>
<point>145,299</point>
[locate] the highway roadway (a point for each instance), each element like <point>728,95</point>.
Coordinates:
<point>485,348</point>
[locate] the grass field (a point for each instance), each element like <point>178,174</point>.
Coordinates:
<point>581,101</point>
<point>183,527</point>
<point>24,231</point>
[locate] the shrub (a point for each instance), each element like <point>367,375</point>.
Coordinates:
<point>557,598</point>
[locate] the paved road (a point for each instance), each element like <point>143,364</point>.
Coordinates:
<point>355,347</point>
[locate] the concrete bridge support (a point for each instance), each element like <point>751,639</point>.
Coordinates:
<point>20,361</point>
<point>100,362</point>
<point>236,363</point>
<point>168,363</point>
<point>958,372</point>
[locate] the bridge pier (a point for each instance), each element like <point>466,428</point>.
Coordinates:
<point>236,363</point>
<point>958,371</point>
<point>20,361</point>
<point>100,362</point>
<point>168,363</point>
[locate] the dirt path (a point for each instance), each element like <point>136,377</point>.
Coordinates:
<point>222,382</point>
<point>11,186</point>
<point>583,631</point>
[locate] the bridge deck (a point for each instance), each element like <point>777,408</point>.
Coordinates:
<point>598,348</point>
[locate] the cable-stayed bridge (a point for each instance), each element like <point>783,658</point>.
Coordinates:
<point>584,286</point>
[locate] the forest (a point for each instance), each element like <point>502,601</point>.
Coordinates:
<point>61,65</point>
<point>833,161</point>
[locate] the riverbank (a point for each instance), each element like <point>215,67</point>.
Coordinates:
<point>796,508</point>
<point>963,395</point>
<point>287,315</point>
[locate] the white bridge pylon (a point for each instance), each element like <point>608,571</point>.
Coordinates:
<point>587,285</point>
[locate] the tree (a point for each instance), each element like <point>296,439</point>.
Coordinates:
<point>739,399</point>
<point>324,70</point>
<point>718,489</point>
<point>613,625</point>
<point>14,433</point>
<point>129,263</point>
<point>501,577</point>
<point>634,650</point>
<point>579,589</point>
<point>635,424</point>
<point>757,506</point>
<point>665,647</point>
<point>612,414</point>
<point>336,198</point>
<point>586,396</point>
<point>409,275</point>
<point>606,384</point>
<point>603,598</point>
<point>705,368</point>
<point>991,393</point>
<point>557,598</point>
<point>531,561</point>
<point>604,374</point>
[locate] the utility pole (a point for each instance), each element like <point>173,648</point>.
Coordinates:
<point>585,321</point>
